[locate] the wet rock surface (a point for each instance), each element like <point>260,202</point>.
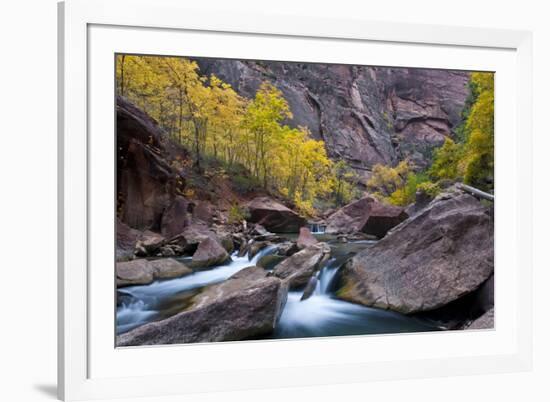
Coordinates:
<point>298,269</point>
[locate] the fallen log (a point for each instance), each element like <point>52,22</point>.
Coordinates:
<point>476,192</point>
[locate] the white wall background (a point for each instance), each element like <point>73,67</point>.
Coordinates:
<point>28,199</point>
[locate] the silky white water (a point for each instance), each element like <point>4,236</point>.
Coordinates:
<point>144,300</point>
<point>322,314</point>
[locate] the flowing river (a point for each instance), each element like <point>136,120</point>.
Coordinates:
<point>322,314</point>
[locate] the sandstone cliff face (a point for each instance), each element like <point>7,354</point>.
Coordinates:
<point>146,182</point>
<point>365,115</point>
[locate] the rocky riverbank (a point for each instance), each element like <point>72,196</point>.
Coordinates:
<point>429,262</point>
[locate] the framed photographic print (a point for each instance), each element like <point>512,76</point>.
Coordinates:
<point>241,200</point>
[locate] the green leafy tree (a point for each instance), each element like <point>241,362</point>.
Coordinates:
<point>446,161</point>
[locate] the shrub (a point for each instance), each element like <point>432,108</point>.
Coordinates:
<point>237,213</point>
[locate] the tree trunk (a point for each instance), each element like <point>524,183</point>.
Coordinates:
<point>197,148</point>
<point>476,192</point>
<point>122,74</point>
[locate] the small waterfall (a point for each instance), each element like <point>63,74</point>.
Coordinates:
<point>267,250</point>
<point>317,228</point>
<point>322,314</point>
<point>144,301</point>
<point>326,276</point>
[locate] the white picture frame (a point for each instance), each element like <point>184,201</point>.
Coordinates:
<point>90,31</point>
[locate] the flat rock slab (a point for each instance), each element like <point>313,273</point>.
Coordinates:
<point>143,272</point>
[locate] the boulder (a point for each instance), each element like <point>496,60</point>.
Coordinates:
<point>486,321</point>
<point>259,230</point>
<point>270,261</point>
<point>365,215</point>
<point>461,312</point>
<point>350,218</point>
<point>136,272</point>
<point>297,269</point>
<point>305,238</point>
<point>428,261</point>
<point>143,272</point>
<point>274,216</point>
<point>247,305</point>
<point>381,218</point>
<point>191,237</point>
<point>203,211</point>
<point>287,248</point>
<point>151,243</point>
<point>167,251</point>
<point>210,252</point>
<point>126,238</point>
<point>225,237</point>
<point>175,218</point>
<point>165,268</point>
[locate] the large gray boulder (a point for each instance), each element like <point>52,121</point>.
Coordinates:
<point>210,252</point>
<point>143,272</point>
<point>247,305</point>
<point>136,272</point>
<point>274,216</point>
<point>297,269</point>
<point>435,257</point>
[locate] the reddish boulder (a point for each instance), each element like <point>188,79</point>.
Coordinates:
<point>365,215</point>
<point>274,216</point>
<point>382,217</point>
<point>350,218</point>
<point>305,239</point>
<point>175,218</point>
